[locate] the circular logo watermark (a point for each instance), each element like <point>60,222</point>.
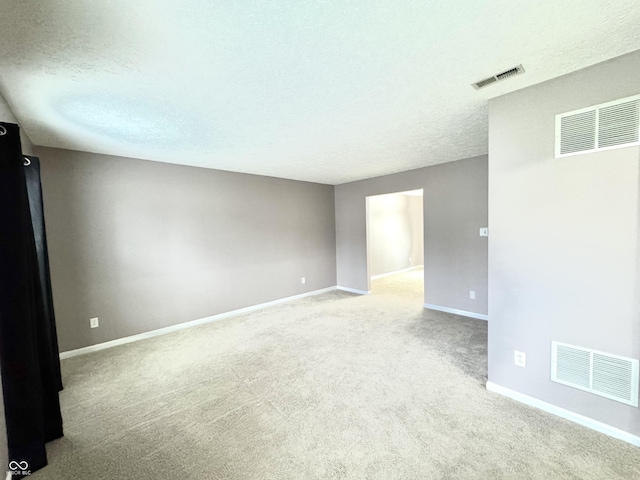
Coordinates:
<point>19,468</point>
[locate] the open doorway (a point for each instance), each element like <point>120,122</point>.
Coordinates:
<point>395,244</point>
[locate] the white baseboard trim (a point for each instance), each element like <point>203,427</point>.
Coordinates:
<point>354,290</point>
<point>464,313</point>
<point>566,414</point>
<point>382,275</point>
<point>182,326</point>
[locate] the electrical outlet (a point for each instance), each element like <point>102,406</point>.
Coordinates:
<point>520,358</point>
<point>304,280</point>
<point>484,232</point>
<point>472,294</point>
<point>94,322</point>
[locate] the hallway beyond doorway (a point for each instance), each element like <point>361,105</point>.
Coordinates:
<point>408,285</point>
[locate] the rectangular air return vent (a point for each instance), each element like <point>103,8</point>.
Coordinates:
<point>498,77</point>
<point>600,127</point>
<point>604,374</point>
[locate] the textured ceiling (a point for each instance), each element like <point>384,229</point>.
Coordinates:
<point>325,91</point>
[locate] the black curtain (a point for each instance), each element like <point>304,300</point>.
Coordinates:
<point>29,361</point>
<point>48,333</point>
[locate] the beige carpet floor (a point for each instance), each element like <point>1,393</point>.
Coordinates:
<point>331,386</point>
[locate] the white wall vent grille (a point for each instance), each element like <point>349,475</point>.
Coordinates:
<point>600,127</point>
<point>517,70</point>
<point>577,132</point>
<point>610,376</point>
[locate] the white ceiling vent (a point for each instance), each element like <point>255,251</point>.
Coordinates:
<point>498,77</point>
<point>600,127</point>
<point>604,374</point>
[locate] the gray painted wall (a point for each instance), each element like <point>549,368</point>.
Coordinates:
<point>416,214</point>
<point>395,233</point>
<point>144,245</point>
<point>455,207</point>
<point>564,247</point>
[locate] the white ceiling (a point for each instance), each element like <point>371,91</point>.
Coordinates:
<point>325,91</point>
